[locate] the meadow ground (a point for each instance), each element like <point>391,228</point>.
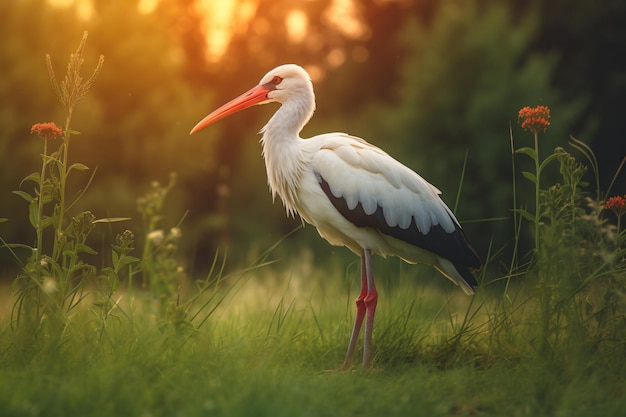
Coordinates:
<point>270,345</point>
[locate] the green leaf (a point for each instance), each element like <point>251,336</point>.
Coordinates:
<point>82,192</point>
<point>46,221</point>
<point>33,214</point>
<point>127,260</point>
<point>24,195</point>
<point>80,247</point>
<point>528,151</point>
<point>526,215</point>
<point>78,166</point>
<point>547,161</point>
<point>50,158</point>
<point>530,176</point>
<point>18,246</point>
<point>2,220</point>
<point>115,258</point>
<point>34,177</point>
<point>112,219</point>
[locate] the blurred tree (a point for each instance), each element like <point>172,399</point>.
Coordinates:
<point>426,80</point>
<point>186,25</point>
<point>149,104</point>
<point>591,61</point>
<point>373,62</point>
<point>468,73</point>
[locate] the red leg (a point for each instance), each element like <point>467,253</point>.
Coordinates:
<point>360,314</point>
<point>371,299</point>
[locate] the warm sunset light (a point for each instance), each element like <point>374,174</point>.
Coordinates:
<point>220,20</point>
<point>343,15</point>
<point>224,18</point>
<point>147,6</point>
<point>84,8</point>
<point>297,25</point>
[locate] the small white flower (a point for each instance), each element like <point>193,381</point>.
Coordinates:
<point>156,237</point>
<point>49,285</point>
<point>175,233</point>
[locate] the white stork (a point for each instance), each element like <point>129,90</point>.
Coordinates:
<point>355,194</point>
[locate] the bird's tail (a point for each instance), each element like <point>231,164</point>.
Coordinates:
<point>460,276</point>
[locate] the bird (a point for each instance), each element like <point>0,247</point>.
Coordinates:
<point>354,193</point>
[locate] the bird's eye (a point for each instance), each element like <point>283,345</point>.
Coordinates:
<point>273,83</point>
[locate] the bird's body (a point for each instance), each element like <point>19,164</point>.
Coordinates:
<point>355,194</point>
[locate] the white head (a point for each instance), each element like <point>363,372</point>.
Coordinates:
<point>283,84</point>
<point>286,81</point>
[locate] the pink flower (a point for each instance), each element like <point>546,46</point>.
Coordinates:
<point>535,119</point>
<point>617,204</point>
<point>46,130</point>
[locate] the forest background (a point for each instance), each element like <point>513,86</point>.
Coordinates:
<point>437,84</point>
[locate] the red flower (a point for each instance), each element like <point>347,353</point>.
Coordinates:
<point>617,204</point>
<point>46,130</point>
<point>535,119</point>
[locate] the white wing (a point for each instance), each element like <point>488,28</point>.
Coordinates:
<point>361,173</point>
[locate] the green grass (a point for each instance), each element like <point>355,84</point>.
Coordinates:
<point>255,356</point>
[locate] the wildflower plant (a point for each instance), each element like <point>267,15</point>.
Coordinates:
<point>73,87</point>
<point>535,120</point>
<point>573,259</point>
<point>162,273</point>
<point>617,204</point>
<point>53,278</point>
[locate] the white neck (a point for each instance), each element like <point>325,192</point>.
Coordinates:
<point>284,159</point>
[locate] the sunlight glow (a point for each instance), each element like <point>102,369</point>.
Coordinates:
<point>220,18</point>
<point>336,57</point>
<point>344,15</point>
<point>61,3</point>
<point>147,6</point>
<point>225,18</point>
<point>296,23</point>
<point>84,8</point>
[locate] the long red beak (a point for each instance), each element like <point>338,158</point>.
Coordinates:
<point>255,95</point>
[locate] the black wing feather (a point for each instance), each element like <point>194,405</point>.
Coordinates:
<point>451,246</point>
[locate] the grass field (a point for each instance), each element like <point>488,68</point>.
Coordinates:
<point>275,357</point>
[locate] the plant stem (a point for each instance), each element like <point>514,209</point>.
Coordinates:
<point>42,179</point>
<point>537,188</point>
<point>545,290</point>
<point>514,259</point>
<point>62,183</point>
